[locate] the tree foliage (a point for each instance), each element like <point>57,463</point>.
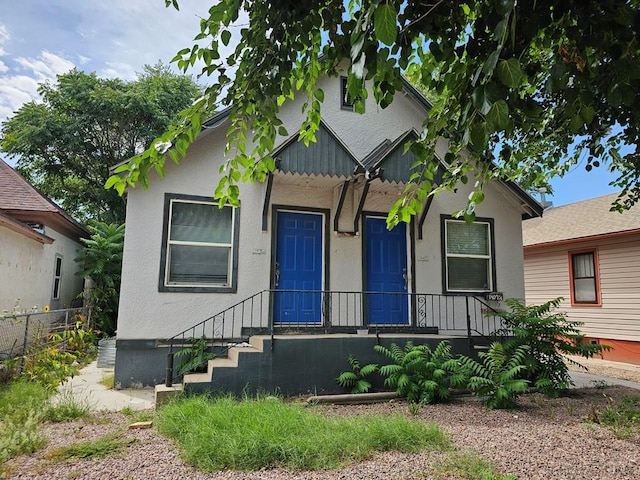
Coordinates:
<point>101,261</point>
<point>545,84</point>
<point>85,125</point>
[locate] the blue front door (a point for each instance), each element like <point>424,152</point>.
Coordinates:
<point>387,301</point>
<point>298,268</point>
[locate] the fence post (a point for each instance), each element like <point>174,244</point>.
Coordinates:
<point>24,343</point>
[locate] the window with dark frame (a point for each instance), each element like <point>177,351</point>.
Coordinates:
<point>584,278</point>
<point>57,277</point>
<point>346,102</point>
<point>468,256</point>
<point>200,245</point>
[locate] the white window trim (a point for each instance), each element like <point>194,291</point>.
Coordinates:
<point>488,257</point>
<point>56,295</point>
<point>170,242</point>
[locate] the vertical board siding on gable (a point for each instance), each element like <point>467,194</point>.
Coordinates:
<point>547,276</point>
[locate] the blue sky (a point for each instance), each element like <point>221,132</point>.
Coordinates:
<point>40,39</point>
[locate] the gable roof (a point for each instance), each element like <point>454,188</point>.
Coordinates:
<point>22,202</point>
<point>579,221</point>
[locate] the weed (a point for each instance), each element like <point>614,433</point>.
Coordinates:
<point>67,407</point>
<point>622,418</point>
<point>195,356</point>
<point>108,445</point>
<point>498,377</point>
<point>356,380</point>
<point>420,374</point>
<point>547,335</point>
<point>108,380</point>
<point>467,466</point>
<point>267,433</point>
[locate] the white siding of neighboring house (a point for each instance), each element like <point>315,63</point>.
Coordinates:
<point>146,313</point>
<point>27,270</point>
<point>618,318</point>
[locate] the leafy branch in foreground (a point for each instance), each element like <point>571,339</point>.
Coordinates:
<point>544,84</point>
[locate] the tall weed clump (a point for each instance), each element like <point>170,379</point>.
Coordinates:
<point>548,335</point>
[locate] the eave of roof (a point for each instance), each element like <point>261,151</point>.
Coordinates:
<point>22,229</point>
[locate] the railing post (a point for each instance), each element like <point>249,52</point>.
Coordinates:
<point>270,319</point>
<point>469,325</point>
<point>169,381</point>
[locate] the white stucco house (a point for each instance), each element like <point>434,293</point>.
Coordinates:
<point>308,252</point>
<point>38,246</point>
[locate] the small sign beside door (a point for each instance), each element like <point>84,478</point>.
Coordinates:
<point>494,296</point>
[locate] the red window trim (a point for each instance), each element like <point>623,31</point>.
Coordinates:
<point>594,251</point>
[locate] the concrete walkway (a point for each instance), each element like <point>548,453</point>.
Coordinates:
<point>87,387</point>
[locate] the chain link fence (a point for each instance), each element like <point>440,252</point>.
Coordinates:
<point>23,333</point>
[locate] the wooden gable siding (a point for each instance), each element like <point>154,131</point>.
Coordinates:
<point>547,277</point>
<point>326,156</point>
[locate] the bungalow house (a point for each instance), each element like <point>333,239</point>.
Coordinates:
<point>38,246</point>
<point>305,272</point>
<point>590,256</point>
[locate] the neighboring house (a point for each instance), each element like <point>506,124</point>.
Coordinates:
<point>38,246</point>
<point>590,256</point>
<point>309,252</point>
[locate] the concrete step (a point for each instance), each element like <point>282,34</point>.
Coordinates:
<point>230,361</point>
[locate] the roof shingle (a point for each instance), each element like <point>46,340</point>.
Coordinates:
<point>587,218</point>
<point>17,194</point>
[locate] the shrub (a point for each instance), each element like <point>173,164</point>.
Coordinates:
<point>422,375</point>
<point>356,380</point>
<point>499,377</point>
<point>547,335</point>
<point>194,356</point>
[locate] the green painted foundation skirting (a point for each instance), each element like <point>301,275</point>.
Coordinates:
<point>292,365</point>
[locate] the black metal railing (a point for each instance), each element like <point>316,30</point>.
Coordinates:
<point>272,312</point>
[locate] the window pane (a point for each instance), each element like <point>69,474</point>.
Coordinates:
<point>584,290</point>
<point>199,265</point>
<point>198,222</point>
<point>468,273</point>
<point>583,265</point>
<point>58,266</point>
<point>469,239</point>
<point>56,289</point>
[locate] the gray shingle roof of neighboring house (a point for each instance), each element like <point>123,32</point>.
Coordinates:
<point>580,220</point>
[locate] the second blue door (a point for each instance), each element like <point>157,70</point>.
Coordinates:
<point>387,301</point>
<point>298,268</point>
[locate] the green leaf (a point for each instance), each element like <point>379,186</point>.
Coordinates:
<point>479,136</point>
<point>225,36</point>
<point>484,96</point>
<point>510,73</point>
<point>384,22</point>
<point>498,116</point>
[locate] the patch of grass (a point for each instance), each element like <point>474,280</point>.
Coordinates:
<point>622,418</point>
<point>467,466</point>
<point>108,445</point>
<point>222,433</point>
<point>22,406</point>
<point>67,407</point>
<point>108,380</point>
<point>138,415</point>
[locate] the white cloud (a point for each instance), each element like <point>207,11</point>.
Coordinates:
<point>3,67</point>
<point>46,66</point>
<point>4,38</point>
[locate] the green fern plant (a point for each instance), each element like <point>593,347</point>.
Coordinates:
<point>356,379</point>
<point>195,356</point>
<point>499,377</point>
<point>548,335</point>
<point>420,374</point>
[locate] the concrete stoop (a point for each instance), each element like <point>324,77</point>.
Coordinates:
<point>164,394</point>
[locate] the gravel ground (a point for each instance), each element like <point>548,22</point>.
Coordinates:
<point>542,439</point>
